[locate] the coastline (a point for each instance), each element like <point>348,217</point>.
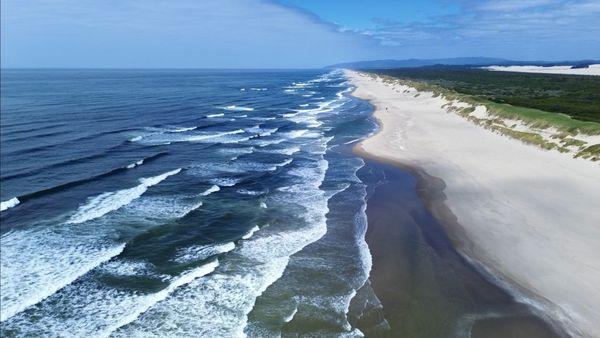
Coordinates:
<point>425,287</point>
<point>488,248</point>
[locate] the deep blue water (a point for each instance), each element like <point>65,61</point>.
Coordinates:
<point>167,202</point>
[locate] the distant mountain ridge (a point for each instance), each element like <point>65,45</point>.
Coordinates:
<point>461,61</point>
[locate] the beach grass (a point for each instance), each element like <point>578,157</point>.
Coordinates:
<point>500,117</point>
<point>533,117</point>
<point>577,96</point>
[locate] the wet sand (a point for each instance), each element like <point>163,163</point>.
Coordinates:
<point>425,287</point>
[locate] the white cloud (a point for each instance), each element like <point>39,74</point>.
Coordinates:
<point>161,33</point>
<point>540,29</point>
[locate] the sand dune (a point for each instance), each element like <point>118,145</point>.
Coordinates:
<point>530,216</point>
<point>591,70</point>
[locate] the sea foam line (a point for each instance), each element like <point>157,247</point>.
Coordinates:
<point>237,108</point>
<point>148,301</point>
<point>110,201</point>
<point>13,202</point>
<point>30,289</point>
<point>251,232</point>
<point>210,190</point>
<point>200,252</point>
<point>193,138</point>
<point>181,130</point>
<point>135,164</point>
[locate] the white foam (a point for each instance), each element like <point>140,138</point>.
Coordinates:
<point>295,133</point>
<point>201,252</point>
<point>195,138</point>
<point>127,268</point>
<point>215,115</point>
<point>161,138</point>
<point>254,129</point>
<point>340,95</point>
<point>263,142</point>
<point>235,140</point>
<point>352,141</point>
<point>218,304</point>
<point>137,138</point>
<point>289,318</point>
<point>267,132</point>
<point>225,181</point>
<point>9,203</point>
<point>158,209</point>
<point>285,162</point>
<point>144,303</point>
<point>110,201</point>
<point>284,151</point>
<point>89,309</point>
<point>192,208</point>
<point>182,129</point>
<point>135,164</point>
<point>219,308</point>
<point>222,301</point>
<point>305,105</point>
<point>263,205</point>
<point>236,108</point>
<point>264,118</point>
<point>237,152</point>
<point>250,192</point>
<point>251,232</point>
<point>210,190</point>
<point>259,89</point>
<point>37,263</point>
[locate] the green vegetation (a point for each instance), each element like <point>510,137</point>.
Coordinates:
<point>560,130</point>
<point>591,152</point>
<point>577,96</point>
<point>533,117</point>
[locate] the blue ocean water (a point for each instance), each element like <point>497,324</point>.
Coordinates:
<point>180,202</point>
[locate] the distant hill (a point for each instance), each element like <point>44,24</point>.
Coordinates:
<point>462,61</point>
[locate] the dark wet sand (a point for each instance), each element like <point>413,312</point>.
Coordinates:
<point>425,287</point>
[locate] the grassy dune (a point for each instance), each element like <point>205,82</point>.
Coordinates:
<point>546,129</point>
<point>577,96</point>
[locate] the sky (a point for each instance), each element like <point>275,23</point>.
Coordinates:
<point>289,33</point>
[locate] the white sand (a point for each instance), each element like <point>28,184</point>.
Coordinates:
<point>591,70</point>
<point>531,216</point>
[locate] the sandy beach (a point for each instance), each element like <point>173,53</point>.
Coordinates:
<point>528,216</point>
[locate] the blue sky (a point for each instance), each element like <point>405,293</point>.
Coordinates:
<point>290,33</point>
<point>365,14</point>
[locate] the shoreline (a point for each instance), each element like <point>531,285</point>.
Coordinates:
<point>432,190</point>
<point>426,287</point>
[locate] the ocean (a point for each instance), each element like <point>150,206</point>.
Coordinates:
<point>221,203</point>
<point>181,203</point>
